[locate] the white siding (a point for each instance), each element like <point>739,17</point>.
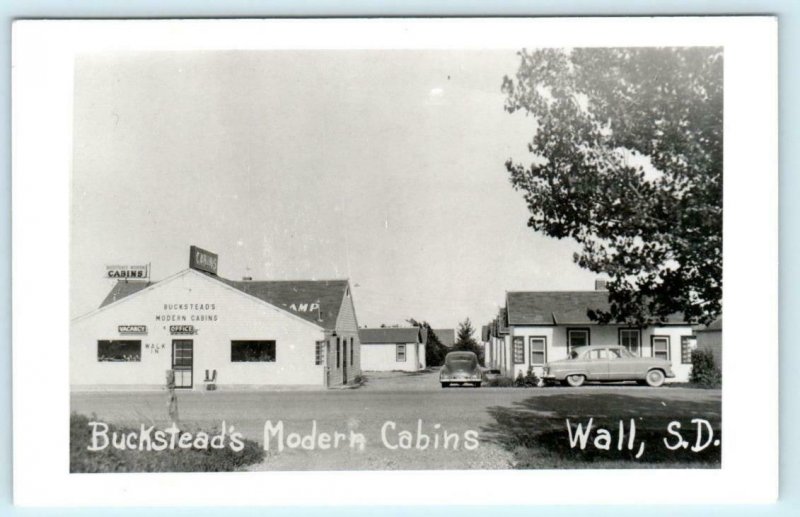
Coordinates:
<point>383,357</point>
<point>238,317</point>
<point>598,335</point>
<point>346,331</point>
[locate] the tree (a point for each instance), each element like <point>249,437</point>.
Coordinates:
<point>628,163</point>
<point>434,349</point>
<point>465,341</point>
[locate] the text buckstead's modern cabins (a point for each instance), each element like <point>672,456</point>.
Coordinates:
<point>540,326</point>
<point>393,349</point>
<point>208,329</point>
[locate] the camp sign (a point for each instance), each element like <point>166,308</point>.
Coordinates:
<point>124,272</point>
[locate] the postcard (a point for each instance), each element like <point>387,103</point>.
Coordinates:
<point>271,261</point>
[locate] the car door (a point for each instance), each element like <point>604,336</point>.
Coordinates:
<point>597,366</point>
<point>619,369</point>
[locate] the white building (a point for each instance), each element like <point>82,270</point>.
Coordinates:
<point>390,349</point>
<point>540,326</point>
<point>214,331</point>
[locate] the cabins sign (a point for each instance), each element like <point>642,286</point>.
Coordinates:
<point>203,260</point>
<point>125,272</point>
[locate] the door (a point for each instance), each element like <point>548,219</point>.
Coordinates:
<point>621,367</point>
<point>597,369</point>
<point>344,362</point>
<point>183,362</point>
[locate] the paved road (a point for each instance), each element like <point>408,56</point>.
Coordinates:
<point>409,401</point>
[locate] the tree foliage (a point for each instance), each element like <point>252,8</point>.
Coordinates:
<point>627,161</point>
<point>434,349</point>
<point>466,341</point>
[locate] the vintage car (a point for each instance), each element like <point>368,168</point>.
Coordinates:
<point>607,363</point>
<point>461,368</point>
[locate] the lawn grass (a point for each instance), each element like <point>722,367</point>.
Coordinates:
<point>111,459</point>
<point>535,430</point>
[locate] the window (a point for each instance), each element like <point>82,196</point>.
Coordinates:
<point>338,353</point>
<point>661,347</point>
<point>319,353</point>
<point>519,350</point>
<point>118,351</point>
<point>631,339</point>
<point>576,338</point>
<point>401,353</point>
<point>351,351</point>
<point>688,344</point>
<point>538,356</point>
<point>253,351</point>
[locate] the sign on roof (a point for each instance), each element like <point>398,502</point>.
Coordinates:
<point>203,260</point>
<point>123,272</point>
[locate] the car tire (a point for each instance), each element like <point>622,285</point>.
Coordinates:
<point>476,384</point>
<point>445,385</point>
<point>576,380</point>
<point>655,378</point>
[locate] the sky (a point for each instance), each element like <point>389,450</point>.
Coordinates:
<point>383,167</point>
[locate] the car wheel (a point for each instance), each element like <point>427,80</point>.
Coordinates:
<point>445,385</point>
<point>476,384</point>
<point>575,380</point>
<point>655,378</point>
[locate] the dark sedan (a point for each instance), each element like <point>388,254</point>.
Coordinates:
<point>461,368</point>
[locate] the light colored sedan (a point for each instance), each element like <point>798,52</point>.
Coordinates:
<point>608,363</point>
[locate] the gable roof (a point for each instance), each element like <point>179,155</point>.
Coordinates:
<point>447,337</point>
<point>554,307</point>
<point>389,335</point>
<point>124,288</point>
<point>317,301</point>
<point>559,307</point>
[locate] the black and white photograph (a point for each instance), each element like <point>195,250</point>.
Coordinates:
<point>353,258</point>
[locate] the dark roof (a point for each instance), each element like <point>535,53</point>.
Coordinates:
<point>714,325</point>
<point>124,288</point>
<point>554,307</point>
<point>389,335</point>
<point>559,307</point>
<point>294,296</point>
<point>502,321</point>
<point>447,337</point>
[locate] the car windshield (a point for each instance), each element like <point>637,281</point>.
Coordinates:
<point>624,352</point>
<point>461,360</point>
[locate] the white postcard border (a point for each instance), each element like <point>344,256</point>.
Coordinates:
<point>41,156</point>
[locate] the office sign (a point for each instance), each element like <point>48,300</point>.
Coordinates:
<point>126,272</point>
<point>203,260</point>
<point>181,329</point>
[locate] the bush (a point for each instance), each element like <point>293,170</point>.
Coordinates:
<point>499,382</point>
<point>529,380</point>
<point>704,371</point>
<point>193,459</point>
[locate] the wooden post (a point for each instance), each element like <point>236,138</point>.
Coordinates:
<point>172,400</point>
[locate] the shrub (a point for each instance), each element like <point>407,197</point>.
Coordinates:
<point>112,459</point>
<point>704,371</point>
<point>529,380</point>
<point>499,382</point>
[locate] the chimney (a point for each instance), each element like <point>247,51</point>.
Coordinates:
<point>601,284</point>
